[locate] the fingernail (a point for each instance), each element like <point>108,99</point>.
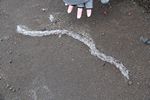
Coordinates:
<point>78,17</point>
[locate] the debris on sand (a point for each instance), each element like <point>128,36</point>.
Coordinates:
<point>52,19</point>
<point>145,40</point>
<point>88,41</point>
<point>44,9</point>
<point>8,86</point>
<point>4,38</point>
<point>10,61</point>
<point>130,83</point>
<point>9,52</point>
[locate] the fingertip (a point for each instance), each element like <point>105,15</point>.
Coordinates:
<point>79,13</point>
<point>78,17</point>
<point>89,12</point>
<point>70,8</point>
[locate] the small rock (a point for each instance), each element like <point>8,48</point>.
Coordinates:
<point>44,9</point>
<point>134,3</point>
<point>52,19</point>
<point>138,83</point>
<point>104,64</point>
<point>72,59</point>
<point>10,61</point>
<point>129,13</point>
<point>130,83</point>
<point>13,90</point>
<point>7,86</point>
<point>105,13</point>
<point>9,52</point>
<point>0,77</point>
<point>10,88</point>
<point>60,36</point>
<point>102,34</point>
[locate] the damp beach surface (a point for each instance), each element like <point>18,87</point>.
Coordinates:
<point>59,67</point>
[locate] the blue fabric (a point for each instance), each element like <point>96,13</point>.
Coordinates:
<point>83,3</point>
<point>104,1</point>
<point>75,2</point>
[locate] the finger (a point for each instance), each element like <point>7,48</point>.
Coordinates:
<point>89,6</point>
<point>89,12</point>
<point>70,8</point>
<point>80,10</point>
<point>79,13</point>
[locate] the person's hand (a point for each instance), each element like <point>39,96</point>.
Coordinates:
<point>88,5</point>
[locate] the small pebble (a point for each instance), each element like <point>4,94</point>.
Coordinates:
<point>72,59</point>
<point>0,77</point>
<point>44,9</point>
<point>7,86</point>
<point>60,36</point>
<point>104,64</point>
<point>10,61</point>
<point>105,13</point>
<point>138,83</point>
<point>134,3</point>
<point>10,52</point>
<point>130,83</point>
<point>129,13</point>
<point>102,34</point>
<point>52,19</point>
<point>13,90</point>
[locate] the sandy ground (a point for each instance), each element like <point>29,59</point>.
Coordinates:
<point>52,68</point>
